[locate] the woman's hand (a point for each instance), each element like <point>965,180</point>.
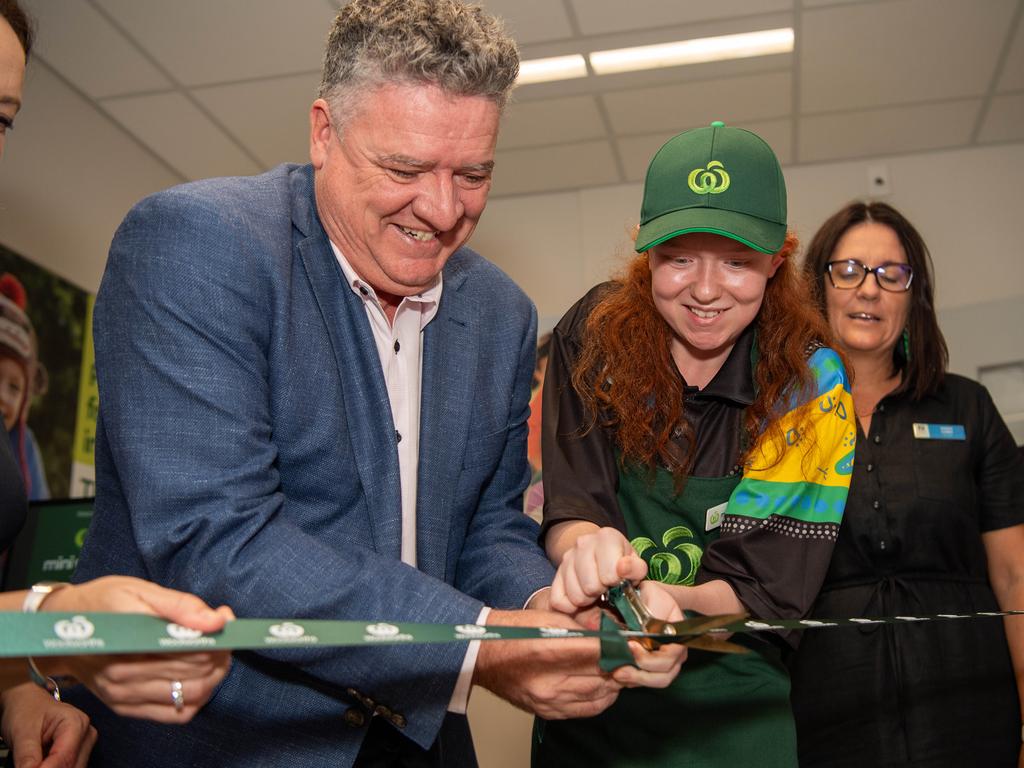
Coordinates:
<point>142,685</point>
<point>657,669</point>
<point>601,559</point>
<point>42,732</point>
<point>595,562</point>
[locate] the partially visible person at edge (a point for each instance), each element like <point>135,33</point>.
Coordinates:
<point>22,378</point>
<point>40,730</point>
<point>934,524</point>
<point>533,503</point>
<point>346,437</point>
<point>698,439</point>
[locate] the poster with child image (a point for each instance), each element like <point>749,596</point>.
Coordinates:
<point>43,324</point>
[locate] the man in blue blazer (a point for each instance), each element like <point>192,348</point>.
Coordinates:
<point>314,404</point>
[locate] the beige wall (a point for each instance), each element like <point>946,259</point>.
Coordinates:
<point>501,733</point>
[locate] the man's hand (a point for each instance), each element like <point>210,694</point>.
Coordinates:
<point>554,679</point>
<point>140,685</point>
<point>42,732</point>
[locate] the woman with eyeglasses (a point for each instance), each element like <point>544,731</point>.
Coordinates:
<point>934,524</point>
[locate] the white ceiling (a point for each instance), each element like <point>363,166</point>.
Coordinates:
<point>217,87</point>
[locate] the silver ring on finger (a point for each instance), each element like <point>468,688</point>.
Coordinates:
<point>177,695</point>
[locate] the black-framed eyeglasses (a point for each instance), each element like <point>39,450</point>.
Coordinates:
<point>849,273</point>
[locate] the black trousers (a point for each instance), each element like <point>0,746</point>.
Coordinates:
<point>385,747</point>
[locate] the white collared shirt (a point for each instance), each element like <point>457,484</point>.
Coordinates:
<point>400,348</point>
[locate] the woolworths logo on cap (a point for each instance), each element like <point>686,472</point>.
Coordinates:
<point>712,180</point>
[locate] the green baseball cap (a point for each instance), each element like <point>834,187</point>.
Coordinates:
<point>717,179</point>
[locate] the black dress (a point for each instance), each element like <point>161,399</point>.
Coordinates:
<point>13,504</point>
<point>940,694</point>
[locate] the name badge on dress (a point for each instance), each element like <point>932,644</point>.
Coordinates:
<point>940,432</point>
<point>713,518</point>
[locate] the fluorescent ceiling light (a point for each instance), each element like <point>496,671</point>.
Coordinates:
<point>693,51</point>
<point>555,68</point>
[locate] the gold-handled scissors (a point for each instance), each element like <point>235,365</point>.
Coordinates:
<point>624,604</point>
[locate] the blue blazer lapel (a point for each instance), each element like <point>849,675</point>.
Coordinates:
<point>450,350</point>
<point>364,392</point>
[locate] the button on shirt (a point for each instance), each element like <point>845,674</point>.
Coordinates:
<point>400,348</point>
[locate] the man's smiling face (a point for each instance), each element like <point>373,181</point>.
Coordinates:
<point>404,184</point>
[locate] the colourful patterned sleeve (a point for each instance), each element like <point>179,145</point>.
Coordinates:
<point>782,520</point>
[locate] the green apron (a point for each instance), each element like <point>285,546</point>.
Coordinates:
<point>727,710</point>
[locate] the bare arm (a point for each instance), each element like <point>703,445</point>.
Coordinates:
<point>1004,548</point>
<point>562,537</point>
<point>712,598</point>
<point>11,601</point>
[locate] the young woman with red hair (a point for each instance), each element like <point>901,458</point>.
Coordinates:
<point>698,439</point>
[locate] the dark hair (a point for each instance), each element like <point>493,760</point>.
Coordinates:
<point>19,21</point>
<point>924,371</point>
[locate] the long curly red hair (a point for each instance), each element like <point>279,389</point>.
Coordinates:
<point>628,381</point>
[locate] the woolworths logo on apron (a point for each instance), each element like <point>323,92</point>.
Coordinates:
<point>678,559</point>
<point>713,180</point>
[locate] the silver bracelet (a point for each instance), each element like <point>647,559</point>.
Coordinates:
<point>33,600</point>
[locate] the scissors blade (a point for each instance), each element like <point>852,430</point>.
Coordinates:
<point>698,625</point>
<point>708,643</point>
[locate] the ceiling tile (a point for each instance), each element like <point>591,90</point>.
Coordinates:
<point>1012,78</point>
<point>202,43</point>
<point>649,78</point>
<point>532,21</point>
<point>637,151</point>
<point>161,120</point>
<point>886,131</point>
<point>677,107</point>
<point>1005,119</point>
<point>270,117</point>
<point>907,51</point>
<point>107,66</point>
<point>597,18</point>
<point>546,169</point>
<point>551,121</point>
<point>820,3</point>
<point>778,134</point>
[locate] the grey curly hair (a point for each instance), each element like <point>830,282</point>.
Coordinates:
<point>446,43</point>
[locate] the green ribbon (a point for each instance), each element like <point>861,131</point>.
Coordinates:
<point>615,651</point>
<point>64,634</point>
